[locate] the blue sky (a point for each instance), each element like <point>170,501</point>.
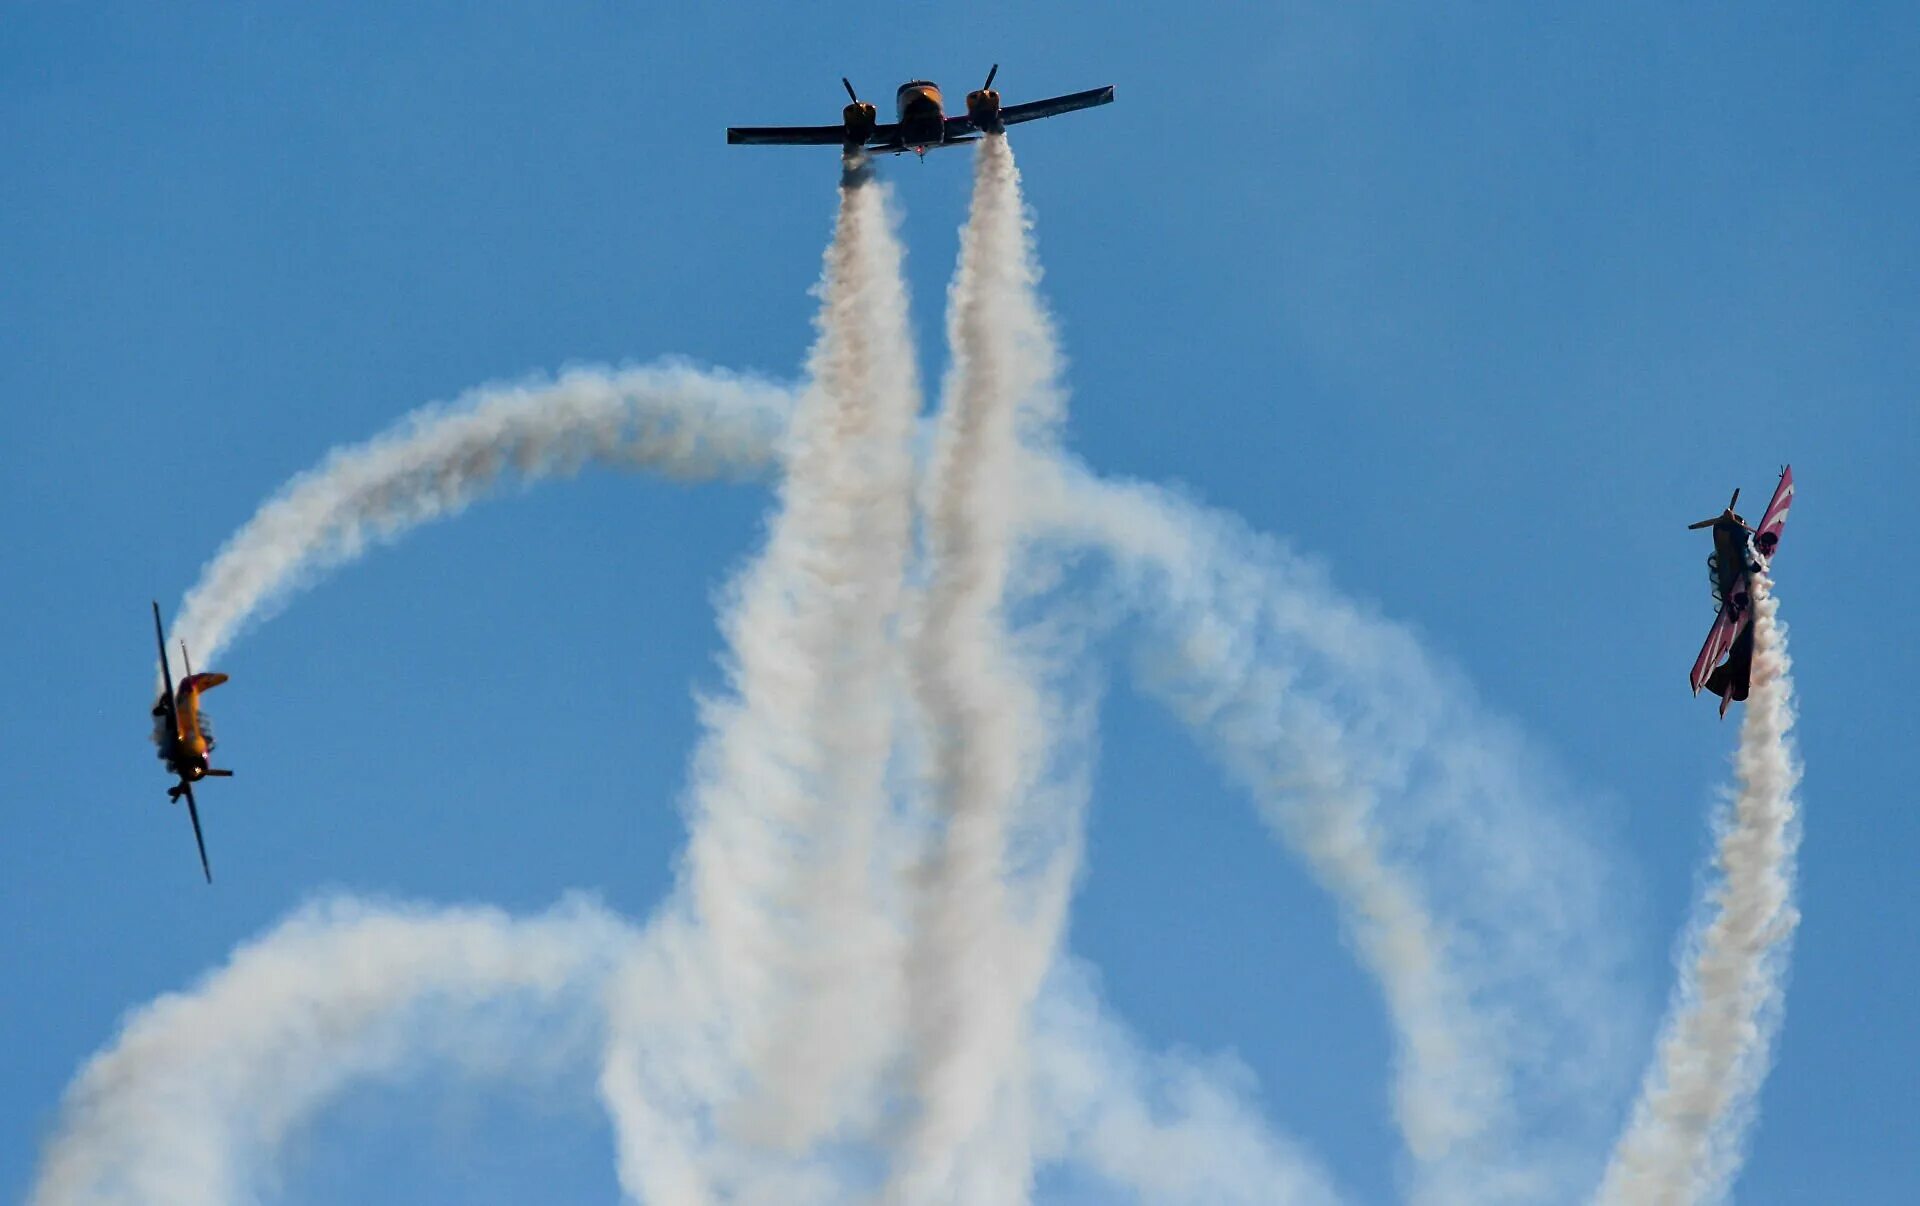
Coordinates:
<point>1479,308</point>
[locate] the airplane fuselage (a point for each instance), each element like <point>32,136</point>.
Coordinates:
<point>920,114</point>
<point>185,746</point>
<point>1730,561</point>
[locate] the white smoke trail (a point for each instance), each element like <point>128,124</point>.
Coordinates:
<point>849,480</point>
<point>1357,749</point>
<point>672,418</point>
<point>201,1090</point>
<point>1215,590</point>
<point>1459,893</point>
<point>786,901</point>
<point>1685,1140</point>
<point>1170,1129</point>
<point>970,979</point>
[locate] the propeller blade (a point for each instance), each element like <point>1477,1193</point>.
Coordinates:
<point>1705,523</point>
<point>848,85</point>
<point>1734,499</point>
<point>990,75</point>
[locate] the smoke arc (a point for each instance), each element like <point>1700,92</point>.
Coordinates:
<point>672,418</point>
<point>202,1088</point>
<point>857,986</point>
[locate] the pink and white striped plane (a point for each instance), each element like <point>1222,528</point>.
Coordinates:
<point>1738,552</point>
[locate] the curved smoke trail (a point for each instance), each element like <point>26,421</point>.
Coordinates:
<point>673,418</point>
<point>1240,617</point>
<point>1685,1140</point>
<point>1416,815</point>
<point>201,1089</point>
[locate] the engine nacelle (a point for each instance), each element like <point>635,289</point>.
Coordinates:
<point>859,119</point>
<point>983,109</point>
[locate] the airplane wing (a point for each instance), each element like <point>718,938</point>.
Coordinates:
<point>886,137</point>
<point>166,672</point>
<point>1766,537</point>
<point>1720,638</point>
<point>193,811</point>
<point>800,136</point>
<point>959,127</point>
<point>1015,114</point>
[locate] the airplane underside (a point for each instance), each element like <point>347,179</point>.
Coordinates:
<point>1733,678</point>
<point>922,123</point>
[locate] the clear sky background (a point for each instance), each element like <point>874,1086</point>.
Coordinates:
<point>1481,308</point>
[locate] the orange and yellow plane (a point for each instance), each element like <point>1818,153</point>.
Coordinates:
<point>181,732</point>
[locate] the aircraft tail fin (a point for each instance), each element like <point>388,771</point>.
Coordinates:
<point>201,682</point>
<point>1731,679</point>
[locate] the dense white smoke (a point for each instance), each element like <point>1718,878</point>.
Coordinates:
<point>203,1091</point>
<point>803,1010</point>
<point>785,912</point>
<point>1685,1140</point>
<point>975,963</point>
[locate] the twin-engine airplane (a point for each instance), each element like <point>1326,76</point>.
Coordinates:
<point>920,123</point>
<point>1738,551</point>
<point>182,734</point>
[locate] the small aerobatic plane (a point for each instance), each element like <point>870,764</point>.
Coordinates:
<point>1737,552</point>
<point>182,734</point>
<point>920,124</point>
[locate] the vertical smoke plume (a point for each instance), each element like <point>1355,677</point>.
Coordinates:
<point>1684,1142</point>
<point>784,890</point>
<point>973,968</point>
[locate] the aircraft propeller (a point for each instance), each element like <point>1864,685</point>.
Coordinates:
<point>858,117</point>
<point>1707,523</point>
<point>990,75</point>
